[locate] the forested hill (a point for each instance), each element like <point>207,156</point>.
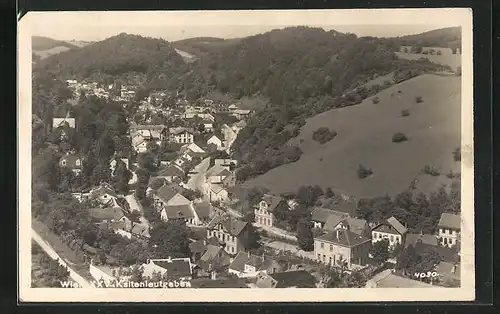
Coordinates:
<point>301,70</point>
<point>116,56</point>
<point>450,37</point>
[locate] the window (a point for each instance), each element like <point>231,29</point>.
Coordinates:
<point>331,247</point>
<point>330,260</point>
<point>392,238</point>
<point>445,241</point>
<point>322,245</point>
<point>63,162</point>
<point>324,257</point>
<point>319,257</point>
<point>232,249</point>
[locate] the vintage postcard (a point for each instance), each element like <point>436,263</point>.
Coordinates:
<point>209,156</point>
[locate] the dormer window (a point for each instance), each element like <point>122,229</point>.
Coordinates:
<point>78,162</point>
<point>63,162</point>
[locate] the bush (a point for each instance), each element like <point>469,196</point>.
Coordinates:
<point>419,99</point>
<point>457,156</point>
<point>399,137</point>
<point>405,113</point>
<point>323,135</point>
<point>364,172</point>
<point>431,170</point>
<point>376,100</point>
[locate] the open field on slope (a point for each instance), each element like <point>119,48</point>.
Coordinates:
<point>452,60</point>
<point>48,52</point>
<point>365,137</point>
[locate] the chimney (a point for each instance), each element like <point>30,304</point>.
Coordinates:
<point>148,261</point>
<point>204,241</point>
<point>169,259</point>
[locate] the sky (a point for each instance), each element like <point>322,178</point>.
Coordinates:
<point>176,25</point>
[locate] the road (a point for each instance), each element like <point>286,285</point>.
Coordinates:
<point>196,180</point>
<point>135,206</point>
<point>372,282</point>
<point>283,246</point>
<point>276,231</point>
<point>52,253</point>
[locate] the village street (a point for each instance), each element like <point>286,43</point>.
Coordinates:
<point>196,179</point>
<point>372,283</point>
<point>135,206</point>
<point>283,246</point>
<point>52,253</point>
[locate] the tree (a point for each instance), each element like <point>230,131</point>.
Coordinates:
<point>253,238</point>
<point>101,173</point>
<point>457,155</point>
<point>158,183</point>
<point>405,113</point>
<point>364,172</point>
<point>137,274</point>
<point>255,194</point>
<point>380,251</point>
<point>304,235</point>
<point>323,135</point>
<point>399,137</point>
<point>329,192</point>
<point>171,238</point>
<point>143,176</point>
<point>121,177</point>
<point>418,99</point>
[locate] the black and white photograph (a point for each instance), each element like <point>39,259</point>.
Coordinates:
<point>183,156</point>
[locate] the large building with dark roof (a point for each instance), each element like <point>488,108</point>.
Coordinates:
<point>449,229</point>
<point>232,232</point>
<point>342,248</point>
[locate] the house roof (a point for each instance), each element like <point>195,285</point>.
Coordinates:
<point>202,209</point>
<point>211,252</point>
<point>296,278</point>
<point>140,229</point>
<point>197,246</point>
<point>245,258</point>
<point>450,221</point>
<point>171,170</point>
<point>216,188</point>
<point>332,220</point>
<point>103,190</point>
<point>357,225</point>
<point>179,212</point>
<point>57,122</point>
<point>176,267</point>
<point>110,213</point>
<point>343,237</point>
<point>71,161</point>
<point>137,140</point>
<point>322,214</point>
<point>217,170</point>
<point>414,238</point>
<point>397,225</point>
<point>179,130</point>
<point>218,283</point>
<point>214,137</point>
<point>166,192</point>
<point>230,224</point>
<point>272,201</point>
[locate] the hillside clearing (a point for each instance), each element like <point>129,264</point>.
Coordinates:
<point>364,137</point>
<point>52,51</point>
<point>452,60</point>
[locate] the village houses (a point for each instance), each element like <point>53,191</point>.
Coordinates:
<point>390,229</point>
<point>247,265</point>
<point>264,209</point>
<point>342,248</point>
<point>449,229</point>
<point>233,233</point>
<point>181,135</point>
<point>168,268</point>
